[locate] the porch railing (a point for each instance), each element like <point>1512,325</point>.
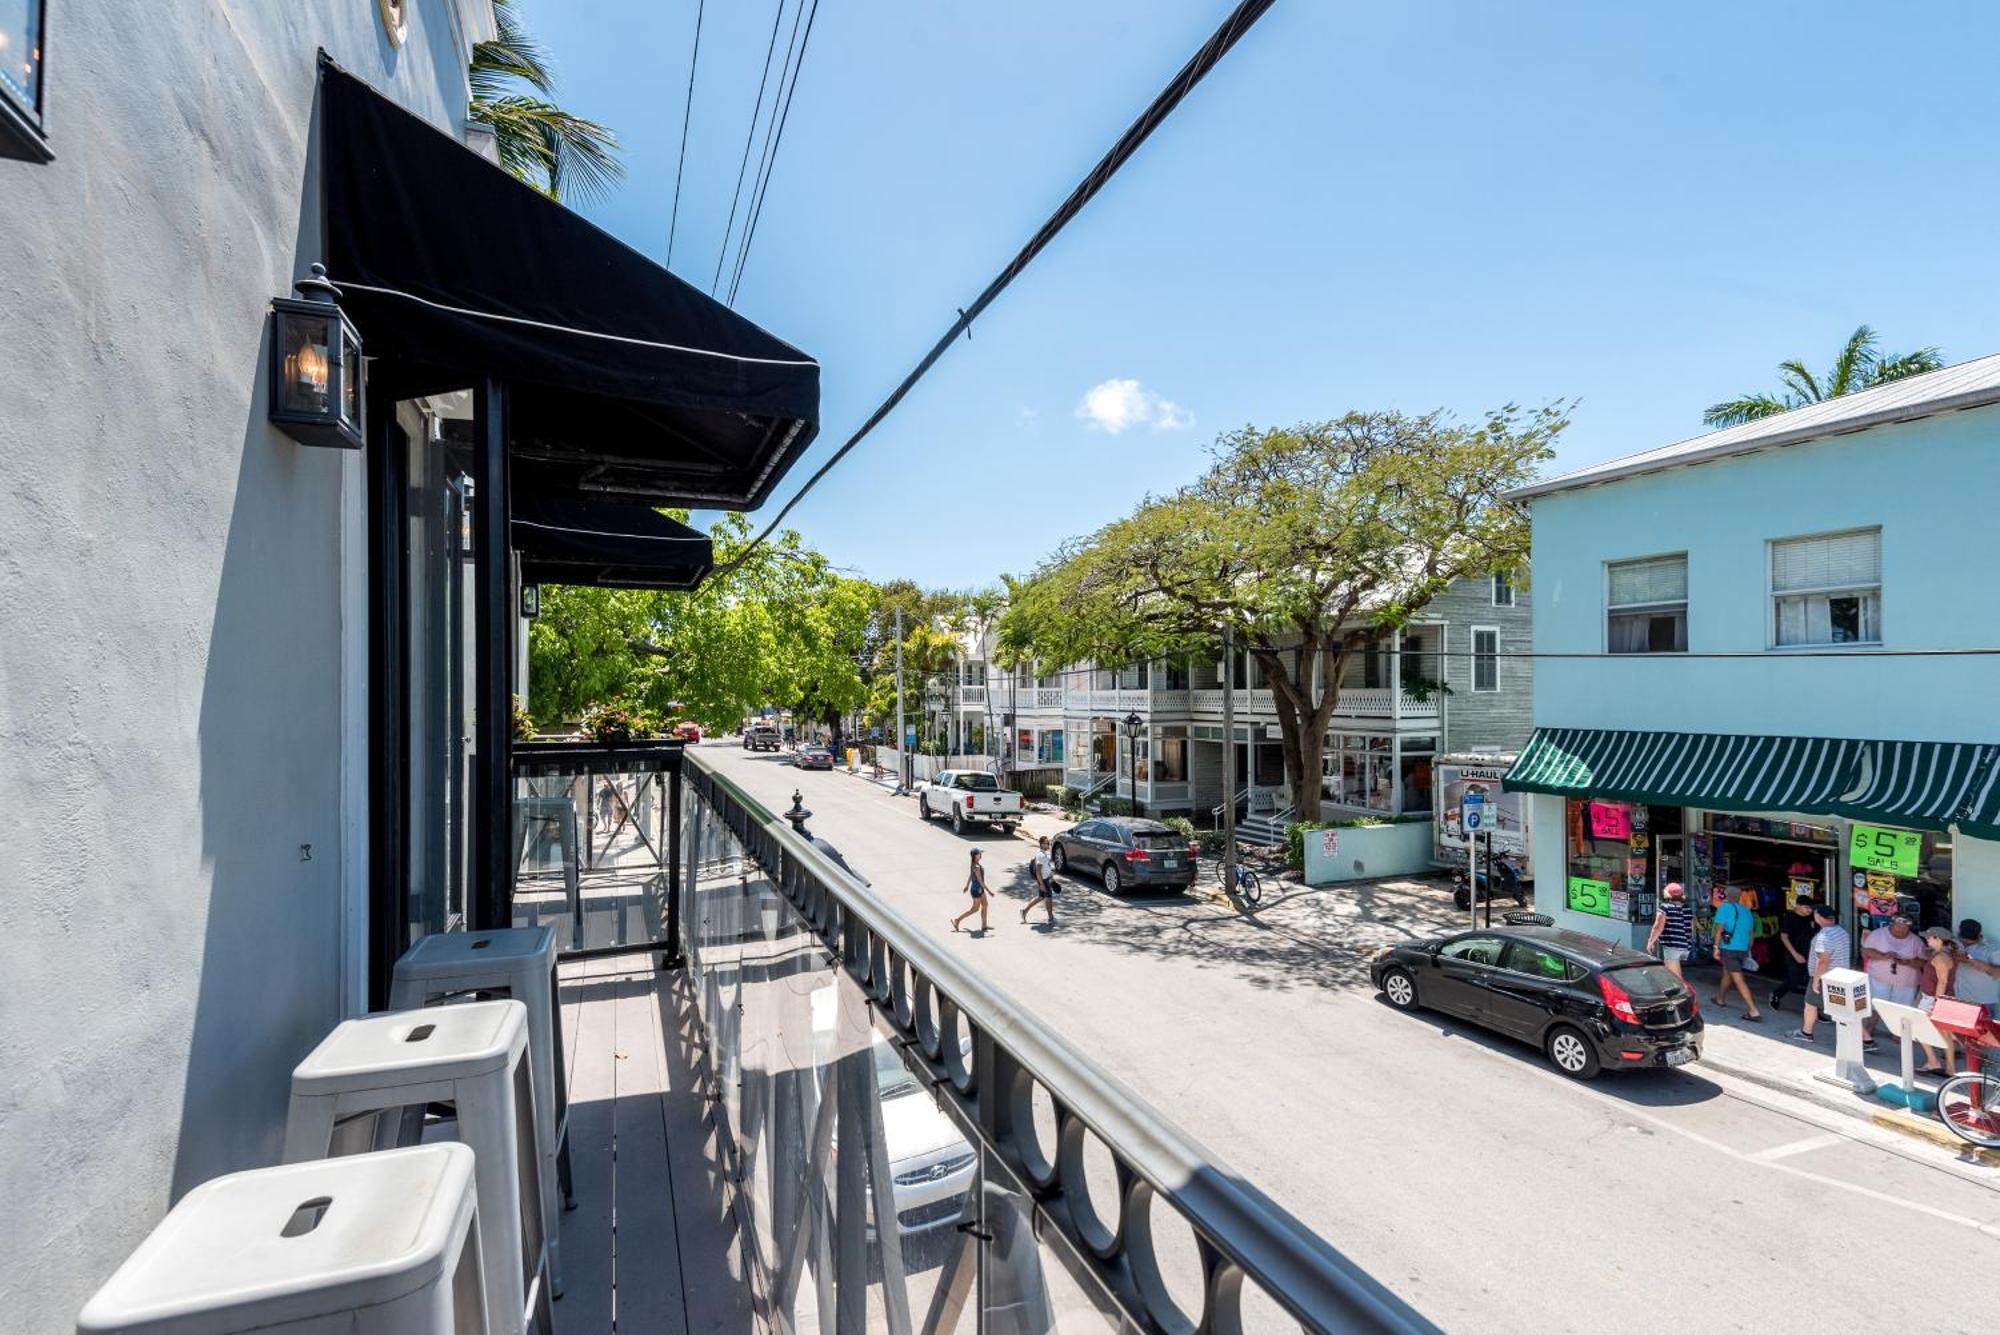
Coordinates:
<point>820,1006</point>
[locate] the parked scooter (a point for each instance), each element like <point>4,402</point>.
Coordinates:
<point>1499,877</point>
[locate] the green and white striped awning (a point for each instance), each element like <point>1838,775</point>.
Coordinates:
<point>1982,808</point>
<point>1914,785</point>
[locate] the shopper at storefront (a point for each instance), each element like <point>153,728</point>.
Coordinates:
<point>1829,950</point>
<point>1978,976</point>
<point>1673,929</point>
<point>1935,977</point>
<point>1891,956</point>
<point>1795,935</point>
<point>1735,933</point>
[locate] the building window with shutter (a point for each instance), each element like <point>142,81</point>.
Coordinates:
<point>1827,589</point>
<point>1503,589</point>
<point>1646,606</point>
<point>1485,658</point>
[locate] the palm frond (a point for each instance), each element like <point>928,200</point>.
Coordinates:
<point>1800,381</point>
<point>1908,364</point>
<point>1749,408</point>
<point>512,54</point>
<point>1850,370</point>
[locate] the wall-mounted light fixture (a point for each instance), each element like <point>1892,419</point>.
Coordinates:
<point>531,601</point>
<point>316,377</point>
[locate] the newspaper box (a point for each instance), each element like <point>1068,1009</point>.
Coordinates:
<point>1844,997</point>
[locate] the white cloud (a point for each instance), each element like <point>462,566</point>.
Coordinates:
<point>1119,405</point>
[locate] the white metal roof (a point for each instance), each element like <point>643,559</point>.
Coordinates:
<point>1967,385</point>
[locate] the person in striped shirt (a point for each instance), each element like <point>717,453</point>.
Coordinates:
<point>1673,928</point>
<point>1831,948</point>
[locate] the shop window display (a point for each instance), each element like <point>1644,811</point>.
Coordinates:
<point>1611,860</point>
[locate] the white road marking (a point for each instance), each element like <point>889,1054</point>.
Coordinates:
<point>1838,1184</point>
<point>1806,1146</point>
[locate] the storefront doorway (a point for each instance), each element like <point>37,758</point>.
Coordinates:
<point>1778,861</point>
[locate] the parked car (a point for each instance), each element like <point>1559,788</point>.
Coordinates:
<point>689,730</point>
<point>970,797</point>
<point>760,737</point>
<point>1126,851</point>
<point>1587,1004</point>
<point>813,757</point>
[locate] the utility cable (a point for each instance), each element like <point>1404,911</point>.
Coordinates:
<point>771,158</point>
<point>687,114</point>
<point>749,137</point>
<point>1211,53</point>
<point>770,127</point>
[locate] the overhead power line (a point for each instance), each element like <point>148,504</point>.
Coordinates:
<point>749,138</point>
<point>1211,53</point>
<point>771,156</point>
<point>687,114</point>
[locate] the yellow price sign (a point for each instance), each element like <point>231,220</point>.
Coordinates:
<point>1878,848</point>
<point>1588,896</point>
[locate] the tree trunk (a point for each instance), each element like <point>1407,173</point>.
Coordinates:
<point>1304,715</point>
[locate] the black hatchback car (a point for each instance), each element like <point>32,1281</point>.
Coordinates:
<point>1126,851</point>
<point>1587,1004</point>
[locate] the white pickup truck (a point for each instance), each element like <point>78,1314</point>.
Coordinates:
<point>969,797</point>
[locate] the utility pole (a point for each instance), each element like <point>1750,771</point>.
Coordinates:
<point>902,738</point>
<point>1228,761</point>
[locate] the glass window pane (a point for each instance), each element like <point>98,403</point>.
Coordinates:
<point>1660,579</point>
<point>1841,559</point>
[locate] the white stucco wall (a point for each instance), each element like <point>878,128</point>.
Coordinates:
<point>172,689</point>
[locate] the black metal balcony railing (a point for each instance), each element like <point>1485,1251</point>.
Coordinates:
<point>911,1151</point>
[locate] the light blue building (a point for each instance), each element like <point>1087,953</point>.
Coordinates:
<point>1785,673</point>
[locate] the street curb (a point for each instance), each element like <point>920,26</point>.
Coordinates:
<point>1924,1128</point>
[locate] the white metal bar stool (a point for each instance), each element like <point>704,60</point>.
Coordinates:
<point>355,1088</point>
<point>373,1244</point>
<point>535,809</point>
<point>516,962</point>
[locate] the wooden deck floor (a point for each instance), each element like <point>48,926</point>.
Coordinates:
<point>651,1246</point>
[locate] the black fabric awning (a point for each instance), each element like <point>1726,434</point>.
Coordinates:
<point>606,544</point>
<point>622,378</point>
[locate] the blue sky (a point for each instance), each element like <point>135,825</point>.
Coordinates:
<point>1417,205</point>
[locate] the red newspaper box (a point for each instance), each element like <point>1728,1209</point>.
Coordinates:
<point>1977,1035</point>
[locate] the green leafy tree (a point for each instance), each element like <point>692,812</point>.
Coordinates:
<point>1308,541</point>
<point>1859,366</point>
<point>779,627</point>
<point>549,148</point>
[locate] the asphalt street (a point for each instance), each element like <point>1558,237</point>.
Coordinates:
<point>1457,1167</point>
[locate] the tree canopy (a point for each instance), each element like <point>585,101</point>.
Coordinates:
<point>782,628</point>
<point>1308,541</point>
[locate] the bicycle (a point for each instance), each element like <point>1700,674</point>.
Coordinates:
<point>1969,1107</point>
<point>1249,886</point>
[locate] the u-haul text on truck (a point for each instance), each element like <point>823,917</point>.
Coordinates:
<point>1503,826</point>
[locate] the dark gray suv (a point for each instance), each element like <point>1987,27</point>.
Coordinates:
<point>1126,851</point>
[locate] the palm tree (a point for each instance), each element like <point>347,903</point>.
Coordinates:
<point>1859,366</point>
<point>539,142</point>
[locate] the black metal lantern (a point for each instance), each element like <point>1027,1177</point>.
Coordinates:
<point>531,601</point>
<point>315,391</point>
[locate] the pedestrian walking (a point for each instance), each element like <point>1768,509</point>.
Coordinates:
<point>1673,929</point>
<point>1735,930</point>
<point>1831,949</point>
<point>1795,933</point>
<point>1935,978</point>
<point>1044,873</point>
<point>975,885</point>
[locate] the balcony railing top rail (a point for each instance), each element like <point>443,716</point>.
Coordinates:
<point>935,1001</point>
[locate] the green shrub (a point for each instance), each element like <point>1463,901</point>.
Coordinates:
<point>1181,825</point>
<point>1116,806</point>
<point>1295,840</point>
<point>1209,841</point>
